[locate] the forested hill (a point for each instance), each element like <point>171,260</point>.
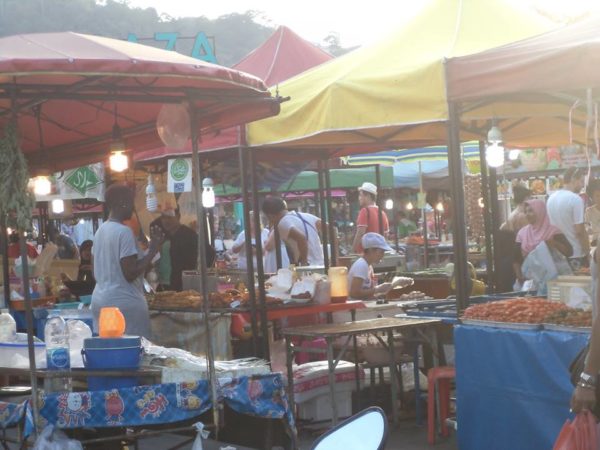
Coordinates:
<point>235,35</point>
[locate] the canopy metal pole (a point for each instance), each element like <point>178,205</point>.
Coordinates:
<point>29,324</point>
<point>278,256</point>
<point>201,262</point>
<point>485,193</point>
<point>5,269</point>
<point>424,216</point>
<point>494,225</point>
<point>264,326</point>
<point>459,227</point>
<point>248,244</point>
<point>378,201</point>
<point>324,232</point>
<point>333,258</point>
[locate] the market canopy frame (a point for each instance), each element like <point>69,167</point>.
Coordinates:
<point>541,91</point>
<point>65,90</point>
<point>391,94</point>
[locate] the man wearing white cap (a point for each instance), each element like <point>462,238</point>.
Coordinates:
<point>368,217</point>
<point>361,277</point>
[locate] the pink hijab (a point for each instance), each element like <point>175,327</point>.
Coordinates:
<point>530,236</point>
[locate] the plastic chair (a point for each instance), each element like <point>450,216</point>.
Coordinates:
<point>440,378</point>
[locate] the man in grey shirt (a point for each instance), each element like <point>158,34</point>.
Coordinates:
<point>119,265</point>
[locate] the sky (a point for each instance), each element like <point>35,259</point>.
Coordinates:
<point>357,23</point>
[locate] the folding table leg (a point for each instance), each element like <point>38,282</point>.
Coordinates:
<point>330,362</point>
<point>289,350</point>
<point>393,376</point>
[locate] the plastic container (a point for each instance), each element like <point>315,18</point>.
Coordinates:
<point>16,354</point>
<point>41,314</point>
<point>338,277</point>
<point>112,354</point>
<point>57,351</point>
<point>8,327</point>
<point>111,323</point>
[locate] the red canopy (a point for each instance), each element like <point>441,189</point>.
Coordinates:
<point>561,60</point>
<point>282,56</point>
<point>64,88</point>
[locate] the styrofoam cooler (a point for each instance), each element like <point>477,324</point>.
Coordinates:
<point>319,408</point>
<point>312,393</point>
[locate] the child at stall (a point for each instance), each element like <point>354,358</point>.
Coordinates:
<point>361,277</point>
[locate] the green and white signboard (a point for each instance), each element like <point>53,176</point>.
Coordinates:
<point>180,175</point>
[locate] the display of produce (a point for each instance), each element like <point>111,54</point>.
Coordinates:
<point>191,299</point>
<point>472,196</point>
<point>396,294</point>
<point>517,310</point>
<point>570,317</point>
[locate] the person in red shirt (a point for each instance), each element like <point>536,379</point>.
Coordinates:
<point>368,217</point>
<point>14,251</point>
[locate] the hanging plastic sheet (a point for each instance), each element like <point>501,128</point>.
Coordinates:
<point>513,386</point>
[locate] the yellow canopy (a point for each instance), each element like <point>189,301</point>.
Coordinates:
<point>392,93</point>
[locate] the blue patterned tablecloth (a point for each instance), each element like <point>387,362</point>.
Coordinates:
<point>259,395</point>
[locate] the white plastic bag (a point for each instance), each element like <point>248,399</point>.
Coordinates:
<point>202,434</point>
<point>53,439</point>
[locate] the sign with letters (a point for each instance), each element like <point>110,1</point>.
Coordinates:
<point>202,48</point>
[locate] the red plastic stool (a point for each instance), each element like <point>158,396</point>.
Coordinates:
<point>440,377</point>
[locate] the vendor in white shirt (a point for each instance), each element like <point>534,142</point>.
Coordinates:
<point>361,277</point>
<point>299,231</point>
<point>239,245</point>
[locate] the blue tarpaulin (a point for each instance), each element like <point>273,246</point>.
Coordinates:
<point>513,386</point>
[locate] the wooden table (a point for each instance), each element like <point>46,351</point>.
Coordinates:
<point>310,308</point>
<point>426,328</point>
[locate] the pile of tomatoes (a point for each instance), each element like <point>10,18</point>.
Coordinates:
<point>517,310</point>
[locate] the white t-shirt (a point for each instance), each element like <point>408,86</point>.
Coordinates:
<point>270,259</point>
<point>361,269</point>
<point>241,239</point>
<point>114,241</point>
<point>308,228</point>
<point>565,210</point>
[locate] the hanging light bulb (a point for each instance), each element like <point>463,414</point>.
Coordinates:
<point>42,185</point>
<point>389,204</point>
<point>118,160</point>
<point>9,231</point>
<point>58,206</point>
<point>513,154</point>
<point>81,221</point>
<point>439,207</point>
<point>494,153</point>
<point>151,200</point>
<point>208,193</point>
<point>409,206</point>
<point>481,203</point>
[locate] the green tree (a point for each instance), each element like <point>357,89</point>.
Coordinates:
<point>234,35</point>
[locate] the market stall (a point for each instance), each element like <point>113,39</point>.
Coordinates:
<point>81,74</point>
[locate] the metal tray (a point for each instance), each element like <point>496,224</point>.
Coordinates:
<point>567,328</point>
<point>508,325</point>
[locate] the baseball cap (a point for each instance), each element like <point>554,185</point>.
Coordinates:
<point>368,187</point>
<point>375,240</point>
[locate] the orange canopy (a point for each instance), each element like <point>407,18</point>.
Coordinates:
<point>65,88</point>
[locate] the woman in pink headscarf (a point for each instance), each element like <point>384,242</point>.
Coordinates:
<point>539,230</point>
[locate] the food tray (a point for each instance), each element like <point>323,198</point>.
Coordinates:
<point>567,328</point>
<point>508,325</point>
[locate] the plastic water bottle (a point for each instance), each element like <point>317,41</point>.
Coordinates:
<point>8,327</point>
<point>57,351</point>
